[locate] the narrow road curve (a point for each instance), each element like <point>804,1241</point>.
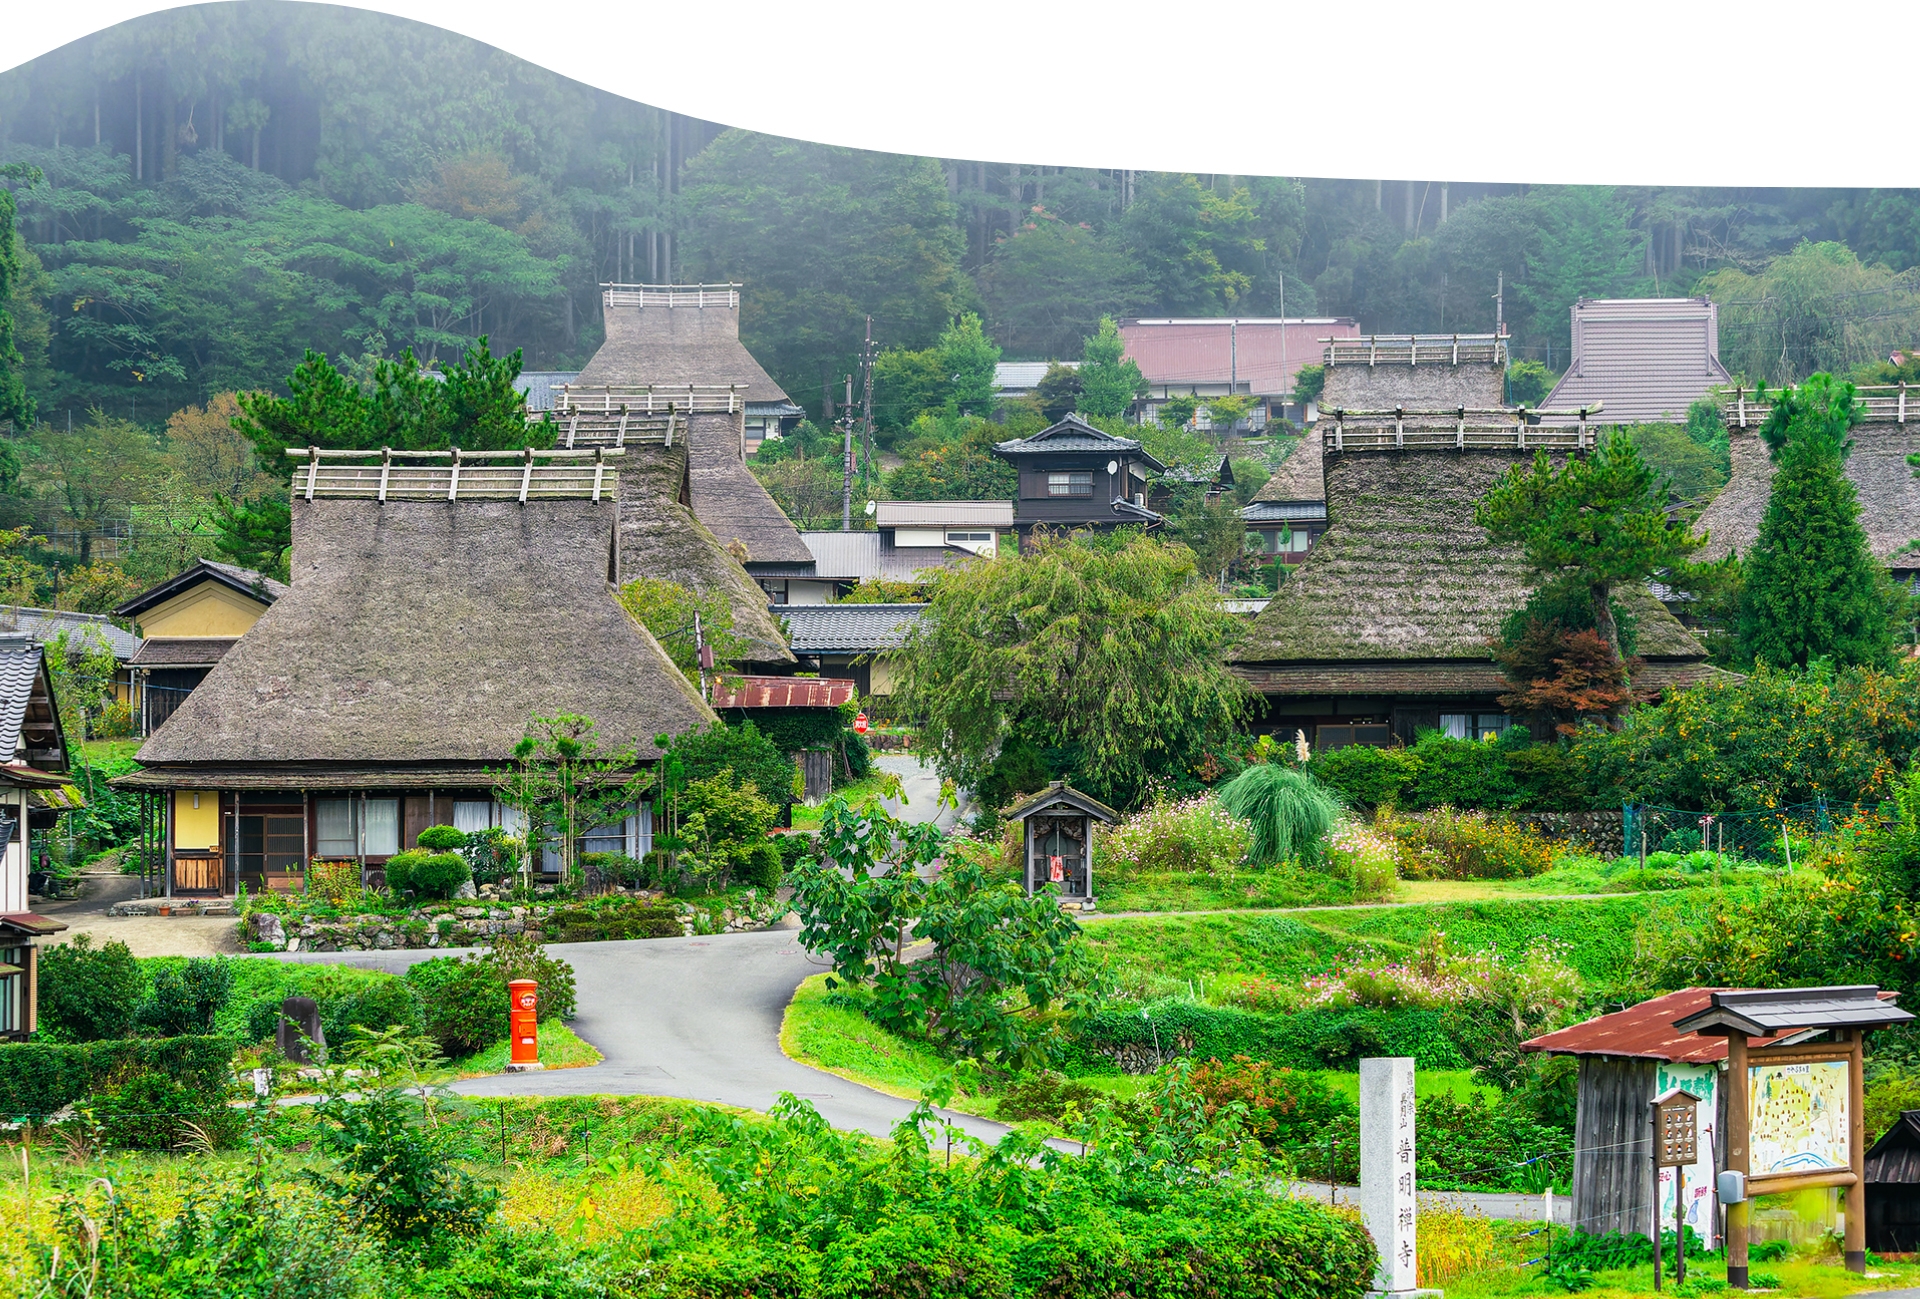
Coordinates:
<point>697,1018</point>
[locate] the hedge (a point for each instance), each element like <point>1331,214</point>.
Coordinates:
<point>1308,1039</point>
<point>40,1078</point>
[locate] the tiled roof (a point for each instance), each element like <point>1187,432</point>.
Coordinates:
<point>1220,350</point>
<point>44,624</point>
<point>183,651</point>
<point>1074,434</point>
<point>1755,1011</point>
<point>19,666</point>
<point>1260,511</point>
<point>1648,359</point>
<point>848,628</point>
<point>256,586</point>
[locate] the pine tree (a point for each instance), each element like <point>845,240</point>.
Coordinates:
<point>1813,588</point>
<point>16,407</point>
<point>1108,384</point>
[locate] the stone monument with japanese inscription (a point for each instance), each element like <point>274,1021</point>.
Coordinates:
<point>1387,1182</point>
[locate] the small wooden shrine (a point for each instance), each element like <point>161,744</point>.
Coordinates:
<point>1893,1188</point>
<point>1058,825</point>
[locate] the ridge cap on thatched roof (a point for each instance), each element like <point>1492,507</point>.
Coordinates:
<point>677,345</point>
<point>423,631</point>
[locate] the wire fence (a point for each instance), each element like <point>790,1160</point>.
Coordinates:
<point>1773,836</point>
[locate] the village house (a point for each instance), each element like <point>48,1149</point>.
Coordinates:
<point>440,603</point>
<point>1384,629</point>
<point>33,773</point>
<point>1878,466</point>
<point>855,641</point>
<point>1074,476</point>
<point>1213,356</point>
<point>83,631</point>
<point>1644,360</point>
<point>188,623</point>
<point>1374,372</point>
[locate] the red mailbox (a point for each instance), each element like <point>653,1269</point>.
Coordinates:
<point>523,1006</point>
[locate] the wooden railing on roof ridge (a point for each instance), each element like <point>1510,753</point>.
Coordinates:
<point>455,475</point>
<point>672,295</point>
<point>1886,403</point>
<point>1417,349</point>
<point>649,398</point>
<point>1456,428</point>
<point>580,428</point>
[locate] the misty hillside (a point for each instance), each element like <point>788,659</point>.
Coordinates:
<point>229,184</point>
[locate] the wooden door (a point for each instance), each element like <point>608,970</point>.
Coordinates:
<point>198,873</point>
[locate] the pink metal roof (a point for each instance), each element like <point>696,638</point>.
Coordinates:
<point>1216,350</point>
<point>1645,1032</point>
<point>781,692</point>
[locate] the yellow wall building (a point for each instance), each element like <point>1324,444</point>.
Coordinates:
<point>189,623</point>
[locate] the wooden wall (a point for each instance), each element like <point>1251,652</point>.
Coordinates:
<point>1612,1181</point>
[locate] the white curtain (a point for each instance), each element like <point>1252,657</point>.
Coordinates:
<point>336,837</point>
<point>471,816</point>
<point>382,835</point>
<point>640,832</point>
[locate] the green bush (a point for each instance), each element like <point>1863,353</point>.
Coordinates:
<point>440,875</point>
<point>152,1111</point>
<point>1463,773</point>
<point>88,993</point>
<point>464,1000</point>
<point>442,838</point>
<point>186,998</point>
<point>616,867</point>
<point>1447,845</point>
<point>1366,776</point>
<point>42,1078</point>
<point>629,919</point>
<point>1044,1095</point>
<point>347,999</point>
<point>1306,1039</point>
<point>399,869</point>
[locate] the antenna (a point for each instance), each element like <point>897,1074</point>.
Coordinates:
<point>846,460</point>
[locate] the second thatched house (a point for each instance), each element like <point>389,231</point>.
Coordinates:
<point>1384,630</point>
<point>1878,467</point>
<point>435,611</point>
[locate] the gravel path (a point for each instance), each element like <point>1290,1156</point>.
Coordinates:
<point>143,935</point>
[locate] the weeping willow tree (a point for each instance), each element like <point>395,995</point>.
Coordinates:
<point>1817,308</point>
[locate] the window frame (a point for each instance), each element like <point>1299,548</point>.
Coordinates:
<point>1071,480</point>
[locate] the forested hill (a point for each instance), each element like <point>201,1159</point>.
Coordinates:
<point>228,184</point>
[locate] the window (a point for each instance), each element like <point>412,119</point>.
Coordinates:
<point>471,816</point>
<point>1493,725</point>
<point>268,844</point>
<point>381,837</point>
<point>631,835</point>
<point>776,589</point>
<point>1074,482</point>
<point>1301,540</point>
<point>354,827</point>
<point>338,829</point>
<point>1474,726</point>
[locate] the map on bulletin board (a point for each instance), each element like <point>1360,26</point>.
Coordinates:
<point>1797,1117</point>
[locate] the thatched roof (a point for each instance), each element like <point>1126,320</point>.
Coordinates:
<point>1889,493</point>
<point>1301,476</point>
<point>731,501</point>
<point>1403,573</point>
<point>660,538</point>
<point>679,345</point>
<point>433,632</point>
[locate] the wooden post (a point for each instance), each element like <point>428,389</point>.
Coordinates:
<point>1653,1166</point>
<point>1856,1229</point>
<point>1737,1214</point>
<point>1679,1225</point>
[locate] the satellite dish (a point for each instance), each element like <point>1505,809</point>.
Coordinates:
<point>871,507</point>
<point>1113,466</point>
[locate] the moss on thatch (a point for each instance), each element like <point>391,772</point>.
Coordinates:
<point>1889,492</point>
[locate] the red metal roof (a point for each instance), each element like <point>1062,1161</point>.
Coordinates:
<point>27,922</point>
<point>781,692</point>
<point>1646,1032</point>
<point>1214,351</point>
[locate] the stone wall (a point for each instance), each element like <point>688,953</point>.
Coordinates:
<point>1601,833</point>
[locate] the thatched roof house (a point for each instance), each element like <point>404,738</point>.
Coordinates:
<point>679,346</point>
<point>1383,630</point>
<point>418,642</point>
<point>1878,468</point>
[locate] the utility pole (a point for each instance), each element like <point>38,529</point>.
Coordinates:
<point>866,401</point>
<point>846,461</point>
<point>1500,305</point>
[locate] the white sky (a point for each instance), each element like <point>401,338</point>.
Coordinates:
<point>1606,91</point>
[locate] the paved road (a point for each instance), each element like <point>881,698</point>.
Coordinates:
<point>921,785</point>
<point>690,1017</point>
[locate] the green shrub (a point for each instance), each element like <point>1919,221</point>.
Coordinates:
<point>442,838</point>
<point>464,1000</point>
<point>185,998</point>
<point>42,1078</point>
<point>1285,1108</point>
<point>400,867</point>
<point>152,1111</point>
<point>439,875</point>
<point>1306,1039</point>
<point>346,998</point>
<point>1194,834</point>
<point>1291,813</point>
<point>1365,776</point>
<point>616,867</point>
<point>1447,845</point>
<point>397,1174</point>
<point>629,919</point>
<point>88,993</point>
<point>492,854</point>
<point>1463,773</point>
<point>1044,1095</point>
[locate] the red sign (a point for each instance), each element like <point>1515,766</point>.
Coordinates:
<point>860,723</point>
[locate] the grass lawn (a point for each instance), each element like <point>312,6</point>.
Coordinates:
<point>808,818</point>
<point>1281,886</point>
<point>846,1043</point>
<point>560,1048</point>
<point>94,752</point>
